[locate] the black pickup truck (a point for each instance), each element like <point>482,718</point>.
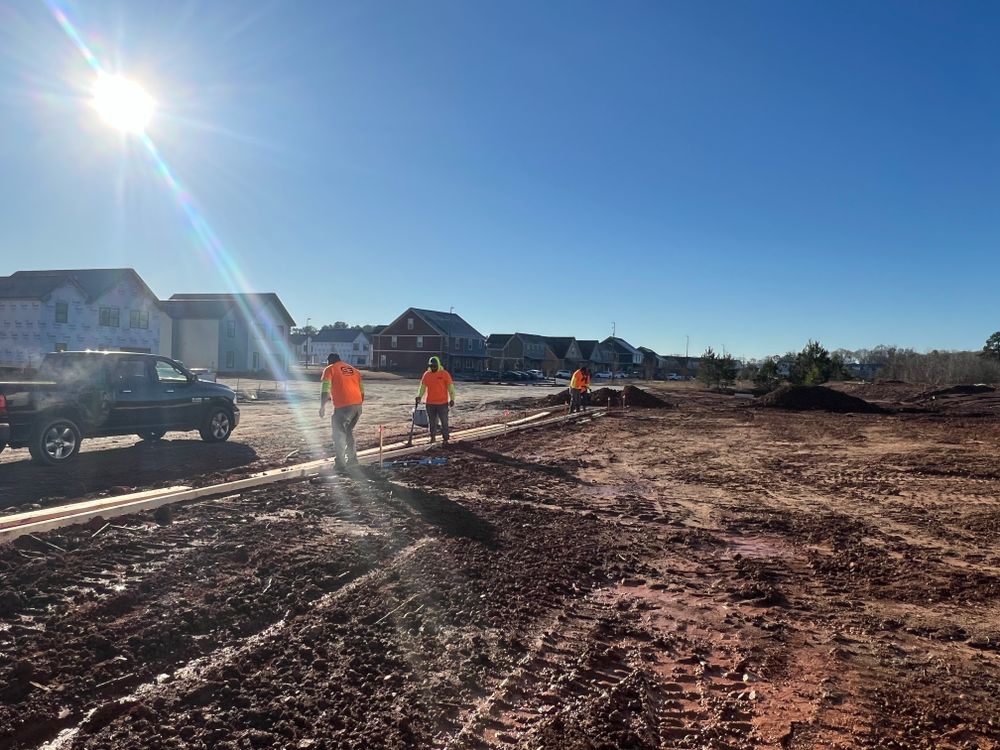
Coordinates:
<point>93,394</point>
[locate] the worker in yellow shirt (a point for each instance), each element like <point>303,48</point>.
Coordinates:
<point>440,390</point>
<point>579,387</point>
<point>342,385</point>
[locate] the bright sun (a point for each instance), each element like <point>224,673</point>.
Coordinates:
<point>123,104</point>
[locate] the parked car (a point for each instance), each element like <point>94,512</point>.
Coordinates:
<point>93,394</point>
<point>620,375</point>
<point>489,375</point>
<point>536,374</point>
<point>510,375</point>
<point>674,376</point>
<point>564,374</point>
<point>603,375</point>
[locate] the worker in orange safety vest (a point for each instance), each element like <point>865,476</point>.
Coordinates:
<point>579,390</point>
<point>342,385</point>
<point>436,383</point>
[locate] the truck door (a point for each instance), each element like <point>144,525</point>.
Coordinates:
<point>134,405</point>
<point>177,409</point>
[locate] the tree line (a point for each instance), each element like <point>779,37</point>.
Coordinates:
<point>339,325</point>
<point>815,365</point>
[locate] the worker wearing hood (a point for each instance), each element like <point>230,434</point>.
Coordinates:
<point>437,385</point>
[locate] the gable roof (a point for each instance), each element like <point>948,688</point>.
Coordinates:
<point>339,335</point>
<point>621,345</point>
<point>560,344</point>
<point>447,324</point>
<point>210,305</point>
<point>92,282</point>
<point>587,347</point>
<point>498,340</point>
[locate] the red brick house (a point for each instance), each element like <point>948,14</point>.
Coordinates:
<point>407,343</point>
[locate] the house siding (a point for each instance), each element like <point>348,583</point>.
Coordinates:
<point>28,327</point>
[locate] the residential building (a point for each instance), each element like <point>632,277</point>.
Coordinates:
<point>653,365</point>
<point>46,311</point>
<point>410,340</point>
<point>230,333</point>
<point>521,351</point>
<point>567,351</point>
<point>595,354</point>
<point>624,356</point>
<point>351,344</point>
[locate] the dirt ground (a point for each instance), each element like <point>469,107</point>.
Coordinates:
<point>709,575</point>
<point>274,422</point>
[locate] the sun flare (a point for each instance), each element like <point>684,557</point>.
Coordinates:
<point>123,104</point>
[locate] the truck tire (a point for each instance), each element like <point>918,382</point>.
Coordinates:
<point>151,435</point>
<point>55,442</point>
<point>217,425</point>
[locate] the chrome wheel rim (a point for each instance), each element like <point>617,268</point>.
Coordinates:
<point>59,442</point>
<point>220,425</point>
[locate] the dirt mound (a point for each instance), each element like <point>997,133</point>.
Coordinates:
<point>959,390</point>
<point>634,397</point>
<point>808,397</point>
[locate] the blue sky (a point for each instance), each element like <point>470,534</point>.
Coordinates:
<point>749,174</point>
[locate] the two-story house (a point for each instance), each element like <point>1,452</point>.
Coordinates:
<point>521,351</point>
<point>231,332</point>
<point>624,357</point>
<point>351,344</point>
<point>46,311</point>
<point>567,351</point>
<point>596,355</point>
<point>410,340</point>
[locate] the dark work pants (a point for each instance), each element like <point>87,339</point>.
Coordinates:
<point>343,420</point>
<point>438,413</point>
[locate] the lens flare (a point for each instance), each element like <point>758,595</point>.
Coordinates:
<point>123,104</point>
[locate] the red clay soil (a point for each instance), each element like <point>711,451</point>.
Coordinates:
<point>816,397</point>
<point>705,576</point>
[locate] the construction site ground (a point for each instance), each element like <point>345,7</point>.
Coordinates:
<point>709,575</point>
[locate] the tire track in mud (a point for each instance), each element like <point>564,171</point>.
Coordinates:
<point>189,676</point>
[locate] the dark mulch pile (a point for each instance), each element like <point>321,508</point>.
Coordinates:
<point>809,397</point>
<point>958,390</point>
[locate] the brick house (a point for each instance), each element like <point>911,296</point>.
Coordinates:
<point>407,343</point>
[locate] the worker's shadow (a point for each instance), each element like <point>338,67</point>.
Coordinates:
<point>452,518</point>
<point>557,472</point>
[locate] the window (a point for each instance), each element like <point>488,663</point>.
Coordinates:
<point>409,324</point>
<point>458,344</point>
<point>393,342</point>
<point>356,347</point>
<point>138,319</point>
<point>231,329</point>
<point>167,372</point>
<point>256,361</point>
<point>420,342</point>
<point>381,360</point>
<point>231,360</point>
<point>468,344</point>
<point>109,317</point>
<point>61,347</point>
<point>62,312</point>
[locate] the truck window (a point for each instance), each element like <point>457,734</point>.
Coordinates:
<point>166,372</point>
<point>128,371</point>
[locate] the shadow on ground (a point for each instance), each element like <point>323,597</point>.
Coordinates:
<point>453,519</point>
<point>143,466</point>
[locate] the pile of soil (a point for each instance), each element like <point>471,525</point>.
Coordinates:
<point>959,390</point>
<point>634,398</point>
<point>809,397</point>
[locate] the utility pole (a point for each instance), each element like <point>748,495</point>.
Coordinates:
<point>687,341</point>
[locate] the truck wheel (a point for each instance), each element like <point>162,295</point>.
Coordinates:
<point>218,425</point>
<point>55,442</point>
<point>151,435</point>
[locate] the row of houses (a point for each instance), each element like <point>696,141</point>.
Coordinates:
<point>114,309</point>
